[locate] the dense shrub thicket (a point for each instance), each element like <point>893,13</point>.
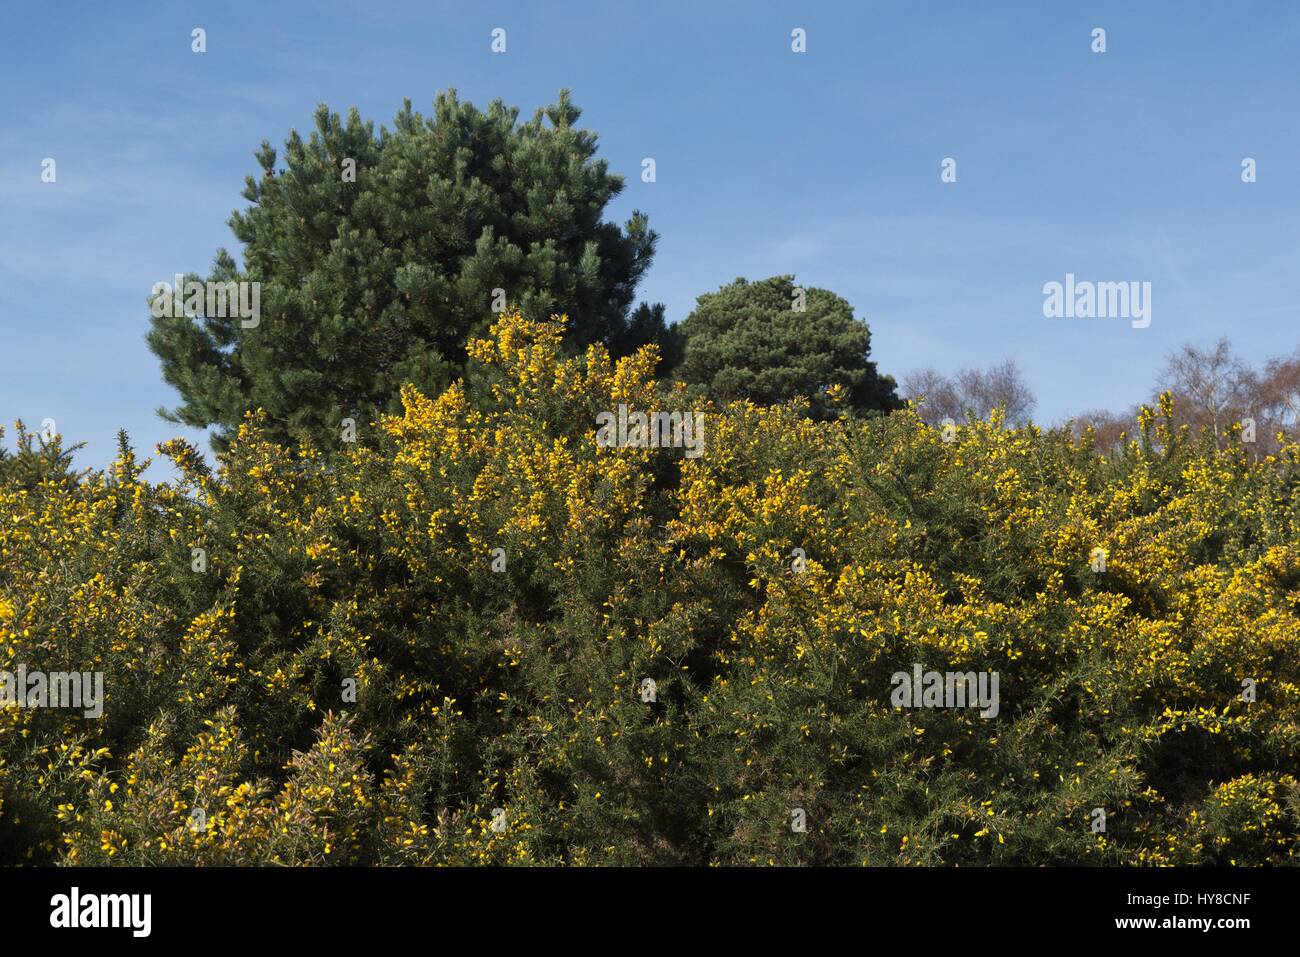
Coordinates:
<point>230,734</point>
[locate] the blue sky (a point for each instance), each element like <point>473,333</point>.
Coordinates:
<point>1116,166</point>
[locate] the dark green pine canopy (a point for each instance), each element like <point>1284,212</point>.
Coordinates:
<point>373,280</point>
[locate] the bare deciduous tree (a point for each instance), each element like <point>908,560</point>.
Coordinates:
<point>971,391</point>
<point>1212,388</point>
<point>1278,394</point>
<point>1108,428</point>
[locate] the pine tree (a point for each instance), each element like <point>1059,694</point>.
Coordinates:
<point>770,341</point>
<point>379,256</point>
<point>646,325</point>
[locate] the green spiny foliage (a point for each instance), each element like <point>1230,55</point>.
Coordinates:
<point>350,677</point>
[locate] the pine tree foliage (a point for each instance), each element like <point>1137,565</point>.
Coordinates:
<point>376,280</point>
<point>771,341</point>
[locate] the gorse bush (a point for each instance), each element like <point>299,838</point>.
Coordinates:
<point>434,648</point>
